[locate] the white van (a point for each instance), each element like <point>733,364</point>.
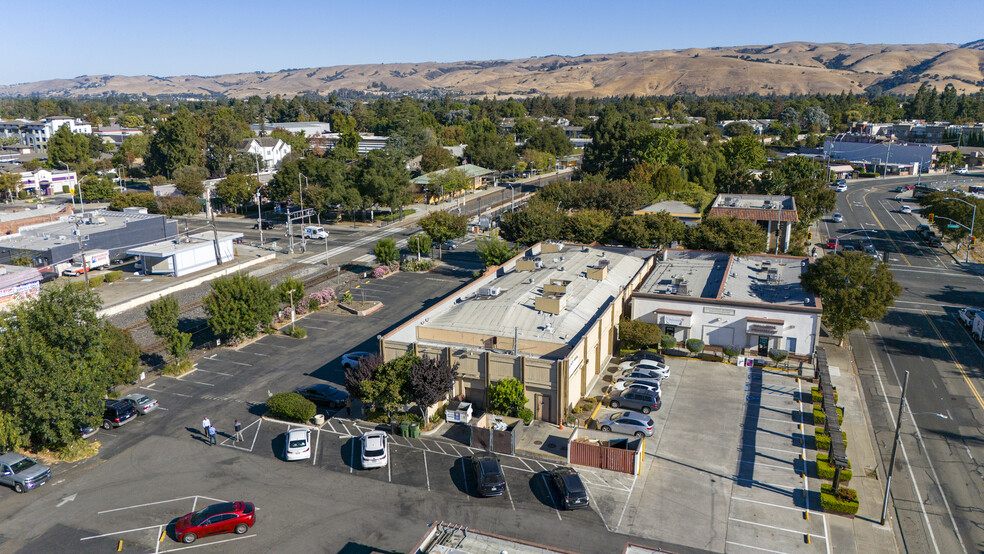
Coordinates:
<point>315,232</point>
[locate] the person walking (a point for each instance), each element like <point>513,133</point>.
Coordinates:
<point>205,425</point>
<point>211,435</point>
<point>239,430</point>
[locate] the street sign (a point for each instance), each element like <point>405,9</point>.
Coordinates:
<point>952,226</point>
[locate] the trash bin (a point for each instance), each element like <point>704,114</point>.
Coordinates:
<point>405,429</point>
<point>415,430</point>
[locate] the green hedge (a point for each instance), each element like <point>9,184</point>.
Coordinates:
<point>826,471</point>
<point>96,280</point>
<point>819,418</point>
<point>291,406</point>
<point>823,439</point>
<point>844,502</point>
<point>818,396</point>
<point>113,276</point>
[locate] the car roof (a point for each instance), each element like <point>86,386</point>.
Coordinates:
<point>299,432</point>
<point>641,418</point>
<point>11,457</point>
<point>374,439</point>
<point>137,396</point>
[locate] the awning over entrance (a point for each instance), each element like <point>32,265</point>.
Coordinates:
<point>762,326</point>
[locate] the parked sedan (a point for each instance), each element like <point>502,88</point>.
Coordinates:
<point>449,245</point>
<point>143,404</point>
<point>573,494</point>
<point>841,188</point>
<point>352,359</point>
<point>905,210</point>
<point>227,517</point>
<point>297,444</point>
<point>375,449</point>
<point>648,365</point>
<point>632,384</point>
<point>324,395</point>
<point>635,399</point>
<point>640,375</point>
<point>837,218</point>
<point>660,372</point>
<point>628,423</point>
<point>645,355</point>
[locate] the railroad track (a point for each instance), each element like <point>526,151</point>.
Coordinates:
<point>159,346</point>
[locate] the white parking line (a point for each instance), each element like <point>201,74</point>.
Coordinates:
<point>318,328</point>
<point>215,372</point>
<point>143,505</point>
<point>744,444</point>
<point>438,445</point>
<point>550,492</point>
<point>777,528</point>
<point>317,441</point>
<point>766,503</point>
<point>626,505</point>
<point>352,459</point>
<point>509,494</point>
<point>426,472</point>
<point>754,547</point>
<point>119,532</point>
<point>753,462</point>
<point>210,543</point>
<point>169,392</point>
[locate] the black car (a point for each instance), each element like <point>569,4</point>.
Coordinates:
<point>636,399</point>
<point>324,395</point>
<point>645,355</point>
<point>117,413</point>
<point>488,474</point>
<point>267,224</point>
<point>573,495</point>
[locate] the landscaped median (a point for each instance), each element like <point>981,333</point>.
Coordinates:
<point>844,501</point>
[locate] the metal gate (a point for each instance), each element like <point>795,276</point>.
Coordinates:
<point>502,442</point>
<point>603,457</point>
<point>480,437</point>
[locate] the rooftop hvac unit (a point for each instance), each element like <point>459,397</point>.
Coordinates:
<point>489,291</point>
<point>604,262</point>
<point>682,289</point>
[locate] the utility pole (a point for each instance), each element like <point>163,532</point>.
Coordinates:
<point>215,232</point>
<point>259,207</point>
<point>895,446</point>
<point>85,265</point>
<point>327,261</point>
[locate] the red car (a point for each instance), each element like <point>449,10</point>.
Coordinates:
<point>227,517</point>
<point>831,243</point>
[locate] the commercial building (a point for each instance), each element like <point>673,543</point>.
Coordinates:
<point>37,133</point>
<point>753,302</point>
<point>547,317</point>
<point>56,243</point>
<point>476,175</point>
<point>185,254</point>
<point>45,182</point>
<point>451,538</point>
<point>686,213</point>
<point>309,128</point>
<point>18,283</point>
<point>896,158</point>
<point>12,221</point>
<point>368,142</point>
<point>774,213</point>
<point>115,134</point>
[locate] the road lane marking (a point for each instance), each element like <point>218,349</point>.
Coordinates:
<point>777,528</point>
<point>953,358</point>
<point>896,246</point>
<point>754,547</point>
<point>209,543</point>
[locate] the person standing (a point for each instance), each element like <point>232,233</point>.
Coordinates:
<point>211,435</point>
<point>239,430</point>
<point>205,425</point>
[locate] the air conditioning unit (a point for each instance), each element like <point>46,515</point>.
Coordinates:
<point>489,291</point>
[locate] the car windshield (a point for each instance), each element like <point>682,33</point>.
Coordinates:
<point>141,400</point>
<point>298,443</point>
<point>201,516</point>
<point>573,484</point>
<point>22,465</point>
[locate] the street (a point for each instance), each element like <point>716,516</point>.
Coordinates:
<point>937,489</point>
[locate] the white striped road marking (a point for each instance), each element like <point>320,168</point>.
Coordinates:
<point>777,528</point>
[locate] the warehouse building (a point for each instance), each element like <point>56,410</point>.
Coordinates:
<point>186,254</point>
<point>754,302</point>
<point>547,317</point>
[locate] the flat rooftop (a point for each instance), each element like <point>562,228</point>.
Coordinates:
<point>170,247</point>
<point>29,213</point>
<point>42,236</point>
<point>445,538</point>
<point>672,207</point>
<point>715,275</point>
<point>755,207</point>
<point>511,311</point>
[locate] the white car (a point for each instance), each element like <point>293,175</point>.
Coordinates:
<point>837,217</point>
<point>297,444</point>
<point>352,359</point>
<point>652,386</point>
<point>375,449</point>
<point>961,171</point>
<point>841,188</point>
<point>905,210</point>
<point>967,316</point>
<point>646,365</point>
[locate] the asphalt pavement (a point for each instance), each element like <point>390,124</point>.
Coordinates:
<point>937,490</point>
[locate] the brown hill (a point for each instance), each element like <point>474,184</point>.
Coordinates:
<point>788,68</point>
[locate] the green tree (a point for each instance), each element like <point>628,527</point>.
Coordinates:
<point>382,177</point>
<point>389,386</point>
<point>10,183</point>
<point>54,367</point>
<point>744,153</point>
<point>536,222</point>
<point>133,148</point>
<point>386,251</point>
<point>491,150</point>
<point>298,142</point>
<point>538,160</point>
<point>420,244</point>
<point>436,157</point>
<point>650,230</point>
<point>738,129</point>
<point>177,143</point>
<point>236,189</point>
<point>11,436</point>
<point>97,188</point>
<point>290,288</point>
<point>551,139</point>
<point>639,334</point>
<point>727,234</point>
<point>587,226</point>
<point>190,180</point>
<point>122,354</point>
<point>173,206</point>
<point>507,396</point>
<point>443,226</point>
<point>854,289</point>
<point>162,315</point>
<point>494,251</point>
<point>239,306</point>
<point>449,182</point>
<point>66,147</point>
<point>130,198</point>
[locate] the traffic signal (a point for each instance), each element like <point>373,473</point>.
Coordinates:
<point>930,218</point>
<point>809,235</point>
<point>972,240</point>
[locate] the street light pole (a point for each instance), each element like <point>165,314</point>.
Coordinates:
<point>973,220</point>
<point>78,184</point>
<point>895,446</point>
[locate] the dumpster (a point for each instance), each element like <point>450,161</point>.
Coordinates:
<point>415,430</point>
<point>405,429</point>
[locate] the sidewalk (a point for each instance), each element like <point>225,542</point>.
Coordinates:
<point>863,533</point>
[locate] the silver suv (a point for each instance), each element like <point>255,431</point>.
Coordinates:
<point>22,473</point>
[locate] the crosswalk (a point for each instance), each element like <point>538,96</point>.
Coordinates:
<point>357,243</point>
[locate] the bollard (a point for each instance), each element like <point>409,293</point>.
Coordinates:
<point>806,516</point>
<point>119,548</point>
<point>807,537</point>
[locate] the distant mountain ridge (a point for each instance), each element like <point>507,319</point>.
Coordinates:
<point>786,68</point>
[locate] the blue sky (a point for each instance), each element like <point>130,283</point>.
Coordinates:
<point>50,39</point>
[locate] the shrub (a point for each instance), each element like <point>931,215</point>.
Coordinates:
<point>525,414</point>
<point>507,396</point>
<point>291,406</point>
<point>417,265</point>
<point>845,501</point>
<point>347,297</point>
<point>731,350</point>
<point>825,470</point>
<point>323,296</point>
<point>386,251</point>
<point>113,276</point>
<point>380,271</point>
<point>667,341</point>
<point>176,369</point>
<point>299,333</point>
<point>818,396</point>
<point>867,174</point>
<point>819,417</point>
<point>96,281</point>
<point>823,439</point>
<point>313,305</point>
<point>76,450</point>
<point>695,346</point>
<point>778,356</point>
<point>290,284</point>
<point>639,334</point>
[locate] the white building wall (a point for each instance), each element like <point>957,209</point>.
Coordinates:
<point>721,325</point>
